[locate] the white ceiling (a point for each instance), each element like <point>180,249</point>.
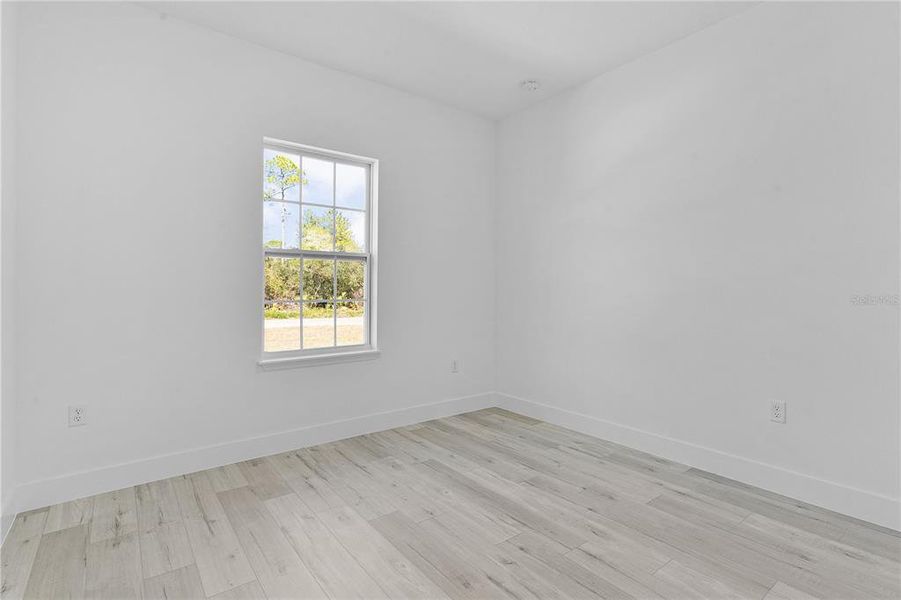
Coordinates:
<point>471,55</point>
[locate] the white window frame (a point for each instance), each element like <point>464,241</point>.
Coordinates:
<point>334,354</point>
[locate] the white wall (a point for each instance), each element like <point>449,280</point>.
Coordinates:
<point>679,240</point>
<point>8,42</point>
<point>139,230</point>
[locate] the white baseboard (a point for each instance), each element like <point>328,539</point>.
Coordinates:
<point>861,504</point>
<point>44,492</point>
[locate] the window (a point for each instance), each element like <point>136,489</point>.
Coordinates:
<point>318,249</point>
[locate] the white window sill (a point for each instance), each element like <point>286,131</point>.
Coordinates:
<point>315,360</point>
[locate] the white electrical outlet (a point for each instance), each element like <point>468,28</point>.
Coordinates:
<point>455,366</point>
<point>777,411</point>
<point>78,415</point>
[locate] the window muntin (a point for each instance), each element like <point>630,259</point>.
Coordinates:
<point>317,263</point>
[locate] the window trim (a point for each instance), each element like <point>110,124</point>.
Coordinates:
<point>332,354</point>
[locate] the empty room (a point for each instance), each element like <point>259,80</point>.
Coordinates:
<point>450,300</point>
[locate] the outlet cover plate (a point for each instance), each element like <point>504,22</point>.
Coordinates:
<point>78,415</point>
<point>777,411</point>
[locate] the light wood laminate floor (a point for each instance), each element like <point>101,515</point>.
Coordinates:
<point>484,505</point>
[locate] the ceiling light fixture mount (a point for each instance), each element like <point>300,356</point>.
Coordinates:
<point>530,85</point>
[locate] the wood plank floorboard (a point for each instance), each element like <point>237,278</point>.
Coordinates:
<point>485,505</point>
<point>18,553</point>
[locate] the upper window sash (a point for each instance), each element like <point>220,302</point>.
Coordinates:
<point>300,186</point>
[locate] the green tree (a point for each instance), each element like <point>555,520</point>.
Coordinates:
<point>281,174</point>
<point>317,231</point>
<point>282,280</point>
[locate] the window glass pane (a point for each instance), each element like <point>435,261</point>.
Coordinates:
<point>318,279</point>
<point>282,276</point>
<point>351,279</point>
<point>350,231</point>
<point>351,323</point>
<point>281,175</point>
<point>281,225</point>
<point>350,186</point>
<point>281,327</point>
<point>318,181</point>
<point>318,228</point>
<point>318,325</point>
